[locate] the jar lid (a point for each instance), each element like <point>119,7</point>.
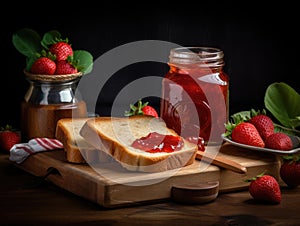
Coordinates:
<point>52,78</point>
<point>203,56</point>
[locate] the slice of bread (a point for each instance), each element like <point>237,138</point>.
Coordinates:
<point>76,148</point>
<point>114,135</point>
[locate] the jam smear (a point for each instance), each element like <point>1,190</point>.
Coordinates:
<point>155,142</point>
<point>197,140</point>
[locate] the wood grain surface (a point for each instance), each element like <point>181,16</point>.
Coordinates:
<point>24,201</point>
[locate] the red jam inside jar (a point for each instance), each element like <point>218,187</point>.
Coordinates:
<point>195,94</point>
<point>155,142</point>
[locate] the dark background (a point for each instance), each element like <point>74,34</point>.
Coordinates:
<point>260,43</point>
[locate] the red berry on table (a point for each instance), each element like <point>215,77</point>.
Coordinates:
<point>265,188</point>
<point>279,141</point>
<point>141,109</point>
<point>61,50</point>
<point>263,124</point>
<point>43,66</point>
<point>246,133</point>
<point>290,170</point>
<point>63,67</point>
<point>8,138</point>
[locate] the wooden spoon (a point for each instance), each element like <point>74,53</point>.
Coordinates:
<point>221,161</point>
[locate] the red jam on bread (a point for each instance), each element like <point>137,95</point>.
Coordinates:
<point>155,142</point>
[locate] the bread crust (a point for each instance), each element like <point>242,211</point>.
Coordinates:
<point>76,148</point>
<point>132,159</point>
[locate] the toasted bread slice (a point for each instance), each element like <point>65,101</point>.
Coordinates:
<point>76,148</point>
<point>114,135</point>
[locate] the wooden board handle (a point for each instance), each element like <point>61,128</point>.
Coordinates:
<point>221,161</point>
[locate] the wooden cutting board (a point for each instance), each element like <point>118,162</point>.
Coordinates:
<point>109,185</point>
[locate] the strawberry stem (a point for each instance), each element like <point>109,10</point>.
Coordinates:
<point>7,128</point>
<point>254,178</point>
<point>136,110</point>
<point>291,158</point>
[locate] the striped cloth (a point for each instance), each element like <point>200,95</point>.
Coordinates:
<point>19,152</point>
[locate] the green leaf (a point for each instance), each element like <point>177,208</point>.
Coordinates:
<point>83,61</point>
<point>255,177</point>
<point>50,38</point>
<point>236,119</point>
<point>29,62</point>
<point>284,104</point>
<point>241,116</point>
<point>27,42</point>
<point>291,158</point>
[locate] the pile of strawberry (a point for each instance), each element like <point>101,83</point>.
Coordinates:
<point>51,54</point>
<point>257,130</point>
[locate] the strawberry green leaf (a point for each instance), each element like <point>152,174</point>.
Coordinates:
<point>255,177</point>
<point>29,62</point>
<point>236,119</point>
<point>291,158</point>
<point>247,115</point>
<point>83,61</point>
<point>241,116</point>
<point>284,104</point>
<point>50,38</point>
<point>27,42</point>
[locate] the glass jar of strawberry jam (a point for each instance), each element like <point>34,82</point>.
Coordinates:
<point>195,94</point>
<point>48,99</point>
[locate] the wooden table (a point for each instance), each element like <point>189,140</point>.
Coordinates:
<point>46,204</point>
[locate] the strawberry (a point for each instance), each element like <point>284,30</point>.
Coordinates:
<point>8,138</point>
<point>149,110</point>
<point>290,170</point>
<point>43,66</point>
<point>61,50</point>
<point>263,124</point>
<point>246,133</point>
<point>141,109</point>
<point>64,67</point>
<point>279,141</point>
<point>265,188</point>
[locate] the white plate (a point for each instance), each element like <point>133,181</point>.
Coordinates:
<point>296,145</point>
